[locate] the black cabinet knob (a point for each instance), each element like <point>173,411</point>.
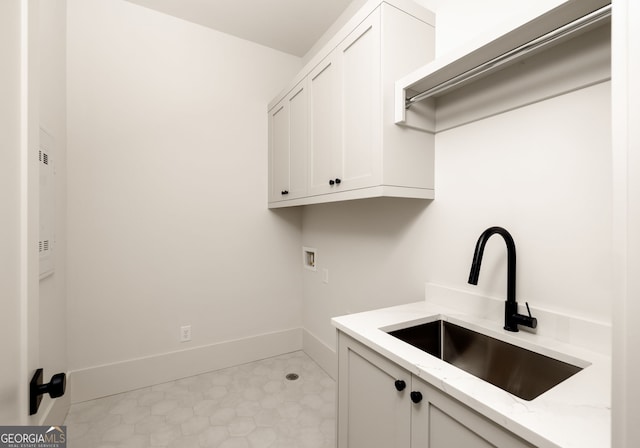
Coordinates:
<point>284,192</point>
<point>55,388</point>
<point>400,385</point>
<point>331,182</point>
<point>416,397</point>
<point>338,180</point>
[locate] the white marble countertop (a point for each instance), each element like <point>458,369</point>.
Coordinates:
<point>575,413</point>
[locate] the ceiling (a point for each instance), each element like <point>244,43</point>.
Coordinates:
<point>291,26</point>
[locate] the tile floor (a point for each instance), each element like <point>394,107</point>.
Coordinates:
<point>248,406</point>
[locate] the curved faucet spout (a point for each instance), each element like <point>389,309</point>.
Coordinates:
<point>511,259</point>
<point>511,317</point>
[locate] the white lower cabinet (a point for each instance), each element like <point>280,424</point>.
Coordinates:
<point>381,405</point>
<point>371,411</point>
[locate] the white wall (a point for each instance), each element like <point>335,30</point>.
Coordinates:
<point>167,178</point>
<point>459,22</point>
<point>542,171</point>
<point>376,255</point>
<point>546,178</point>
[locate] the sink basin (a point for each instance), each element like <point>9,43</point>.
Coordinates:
<point>519,371</point>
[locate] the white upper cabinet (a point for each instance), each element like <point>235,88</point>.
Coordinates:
<point>354,148</point>
<point>279,152</point>
<point>325,149</point>
<point>288,143</point>
<point>361,113</point>
<point>344,148</point>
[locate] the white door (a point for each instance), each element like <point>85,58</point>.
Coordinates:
<point>361,110</point>
<point>11,405</point>
<point>23,324</point>
<point>279,151</point>
<point>325,151</point>
<point>288,146</point>
<point>298,141</point>
<point>373,399</point>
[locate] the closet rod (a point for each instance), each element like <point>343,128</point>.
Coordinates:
<point>539,42</point>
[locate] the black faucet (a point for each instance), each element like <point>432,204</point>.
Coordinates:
<point>511,317</point>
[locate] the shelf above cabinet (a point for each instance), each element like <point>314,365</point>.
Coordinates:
<point>495,51</point>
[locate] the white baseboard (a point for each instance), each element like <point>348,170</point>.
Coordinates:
<point>109,379</point>
<point>322,354</point>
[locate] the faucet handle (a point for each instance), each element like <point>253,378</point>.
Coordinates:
<point>531,321</point>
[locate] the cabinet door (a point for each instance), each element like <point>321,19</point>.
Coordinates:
<point>372,413</point>
<point>288,143</point>
<point>361,105</point>
<point>298,141</point>
<point>325,150</point>
<point>278,151</point>
<point>440,421</point>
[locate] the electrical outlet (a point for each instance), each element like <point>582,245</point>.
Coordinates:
<point>185,333</point>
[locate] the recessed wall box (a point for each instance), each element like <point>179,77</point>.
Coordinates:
<point>309,258</point>
<point>46,236</point>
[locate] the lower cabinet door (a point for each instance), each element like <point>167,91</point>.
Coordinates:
<point>373,394</point>
<point>381,405</point>
<point>447,432</point>
<point>440,421</point>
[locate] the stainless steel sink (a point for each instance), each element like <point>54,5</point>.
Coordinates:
<point>519,371</point>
